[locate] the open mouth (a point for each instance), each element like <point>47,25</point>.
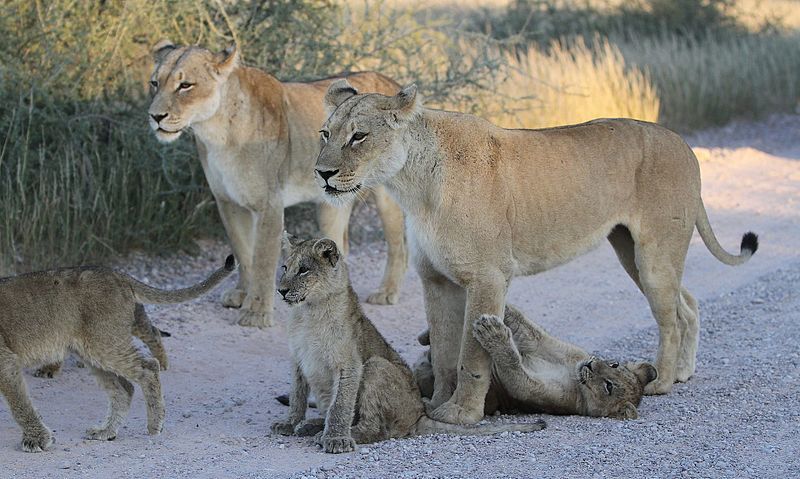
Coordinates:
<point>337,192</point>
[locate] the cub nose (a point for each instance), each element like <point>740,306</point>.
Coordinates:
<point>326,174</point>
<point>158,118</point>
<point>283,292</point>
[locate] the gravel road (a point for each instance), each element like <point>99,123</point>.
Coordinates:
<point>738,417</point>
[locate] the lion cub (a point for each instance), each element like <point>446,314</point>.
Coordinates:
<point>92,312</point>
<point>533,371</point>
<point>340,357</point>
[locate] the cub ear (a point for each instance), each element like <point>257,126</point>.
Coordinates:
<point>338,92</point>
<point>628,411</point>
<point>646,372</point>
<point>162,49</point>
<point>403,106</point>
<point>226,60</point>
<point>326,249</point>
<point>288,241</point>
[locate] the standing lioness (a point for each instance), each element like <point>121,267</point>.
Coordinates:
<point>257,139</point>
<point>484,204</point>
<point>92,312</point>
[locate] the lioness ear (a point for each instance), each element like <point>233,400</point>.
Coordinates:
<point>338,92</point>
<point>628,411</point>
<point>403,106</point>
<point>646,372</point>
<point>226,61</point>
<point>162,49</point>
<point>288,241</point>
<point>326,249</point>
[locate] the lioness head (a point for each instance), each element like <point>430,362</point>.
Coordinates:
<point>610,389</point>
<point>186,86</point>
<point>361,142</point>
<point>312,271</point>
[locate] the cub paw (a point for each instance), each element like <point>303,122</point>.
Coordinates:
<point>490,331</point>
<point>154,428</point>
<point>454,414</point>
<point>233,298</point>
<point>101,434</point>
<point>283,428</point>
<point>37,441</point>
<point>254,319</point>
<point>383,297</point>
<point>337,445</point>
<point>48,371</point>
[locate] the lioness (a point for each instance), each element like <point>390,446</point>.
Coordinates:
<point>535,372</point>
<point>344,361</point>
<point>485,204</point>
<point>91,312</point>
<point>257,139</point>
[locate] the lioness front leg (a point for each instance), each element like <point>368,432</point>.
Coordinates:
<point>257,306</point>
<point>238,223</point>
<point>336,438</point>
<point>484,296</point>
<point>298,403</point>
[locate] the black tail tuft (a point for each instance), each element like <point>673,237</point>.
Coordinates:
<point>750,242</point>
<point>230,263</point>
<point>164,334</point>
<point>283,399</point>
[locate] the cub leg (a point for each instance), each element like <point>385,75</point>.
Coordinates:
<point>485,296</point>
<point>257,306</point>
<point>336,437</point>
<point>397,254</point>
<point>238,223</point>
<point>36,437</point>
<point>150,335</point>
<point>298,403</point>
<point>120,393</point>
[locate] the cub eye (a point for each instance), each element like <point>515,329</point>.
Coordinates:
<point>609,387</point>
<point>357,137</point>
<point>154,84</point>
<point>614,364</point>
<point>302,271</point>
<point>185,86</point>
<point>325,135</point>
<point>284,268</point>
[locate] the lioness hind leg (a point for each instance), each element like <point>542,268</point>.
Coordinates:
<point>397,254</point>
<point>150,335</point>
<point>120,393</point>
<point>688,317</point>
<point>36,437</point>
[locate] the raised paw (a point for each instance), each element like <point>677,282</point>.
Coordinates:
<point>657,387</point>
<point>48,371</point>
<point>233,298</point>
<point>284,428</point>
<point>309,427</point>
<point>383,297</point>
<point>101,434</point>
<point>255,319</point>
<point>337,444</point>
<point>37,441</point>
<point>453,413</point>
<point>491,332</point>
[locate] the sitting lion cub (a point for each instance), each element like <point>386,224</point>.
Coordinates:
<point>533,371</point>
<point>340,357</point>
<point>92,312</point>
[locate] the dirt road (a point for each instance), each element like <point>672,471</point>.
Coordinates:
<point>738,417</point>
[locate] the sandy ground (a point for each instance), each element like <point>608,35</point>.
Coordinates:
<point>738,417</point>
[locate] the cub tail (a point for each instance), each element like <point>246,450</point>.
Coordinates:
<point>150,295</point>
<point>427,426</point>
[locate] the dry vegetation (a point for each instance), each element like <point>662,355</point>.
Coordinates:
<point>81,176</point>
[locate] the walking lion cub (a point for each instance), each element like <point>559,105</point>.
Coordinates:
<point>92,312</point>
<point>340,357</point>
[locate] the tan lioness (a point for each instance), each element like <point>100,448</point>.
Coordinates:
<point>92,312</point>
<point>484,204</point>
<point>534,372</point>
<point>364,389</point>
<point>257,139</point>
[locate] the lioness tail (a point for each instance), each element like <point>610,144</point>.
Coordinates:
<point>748,247</point>
<point>150,295</point>
<point>427,425</point>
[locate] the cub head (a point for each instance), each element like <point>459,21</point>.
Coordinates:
<point>186,85</point>
<point>313,270</point>
<point>362,140</point>
<point>610,389</point>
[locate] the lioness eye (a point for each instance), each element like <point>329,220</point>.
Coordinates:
<point>153,83</point>
<point>609,386</point>
<point>357,137</point>
<point>614,364</point>
<point>302,270</point>
<point>185,86</point>
<point>325,134</point>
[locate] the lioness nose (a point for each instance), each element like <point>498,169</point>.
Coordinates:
<point>158,118</point>
<point>327,174</point>
<point>283,292</point>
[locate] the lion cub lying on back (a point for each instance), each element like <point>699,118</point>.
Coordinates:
<point>92,312</point>
<point>533,371</point>
<point>344,361</point>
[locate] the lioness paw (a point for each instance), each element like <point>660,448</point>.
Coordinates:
<point>233,298</point>
<point>37,441</point>
<point>284,428</point>
<point>255,319</point>
<point>383,297</point>
<point>337,445</point>
<point>454,414</point>
<point>490,331</point>
<point>101,434</point>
